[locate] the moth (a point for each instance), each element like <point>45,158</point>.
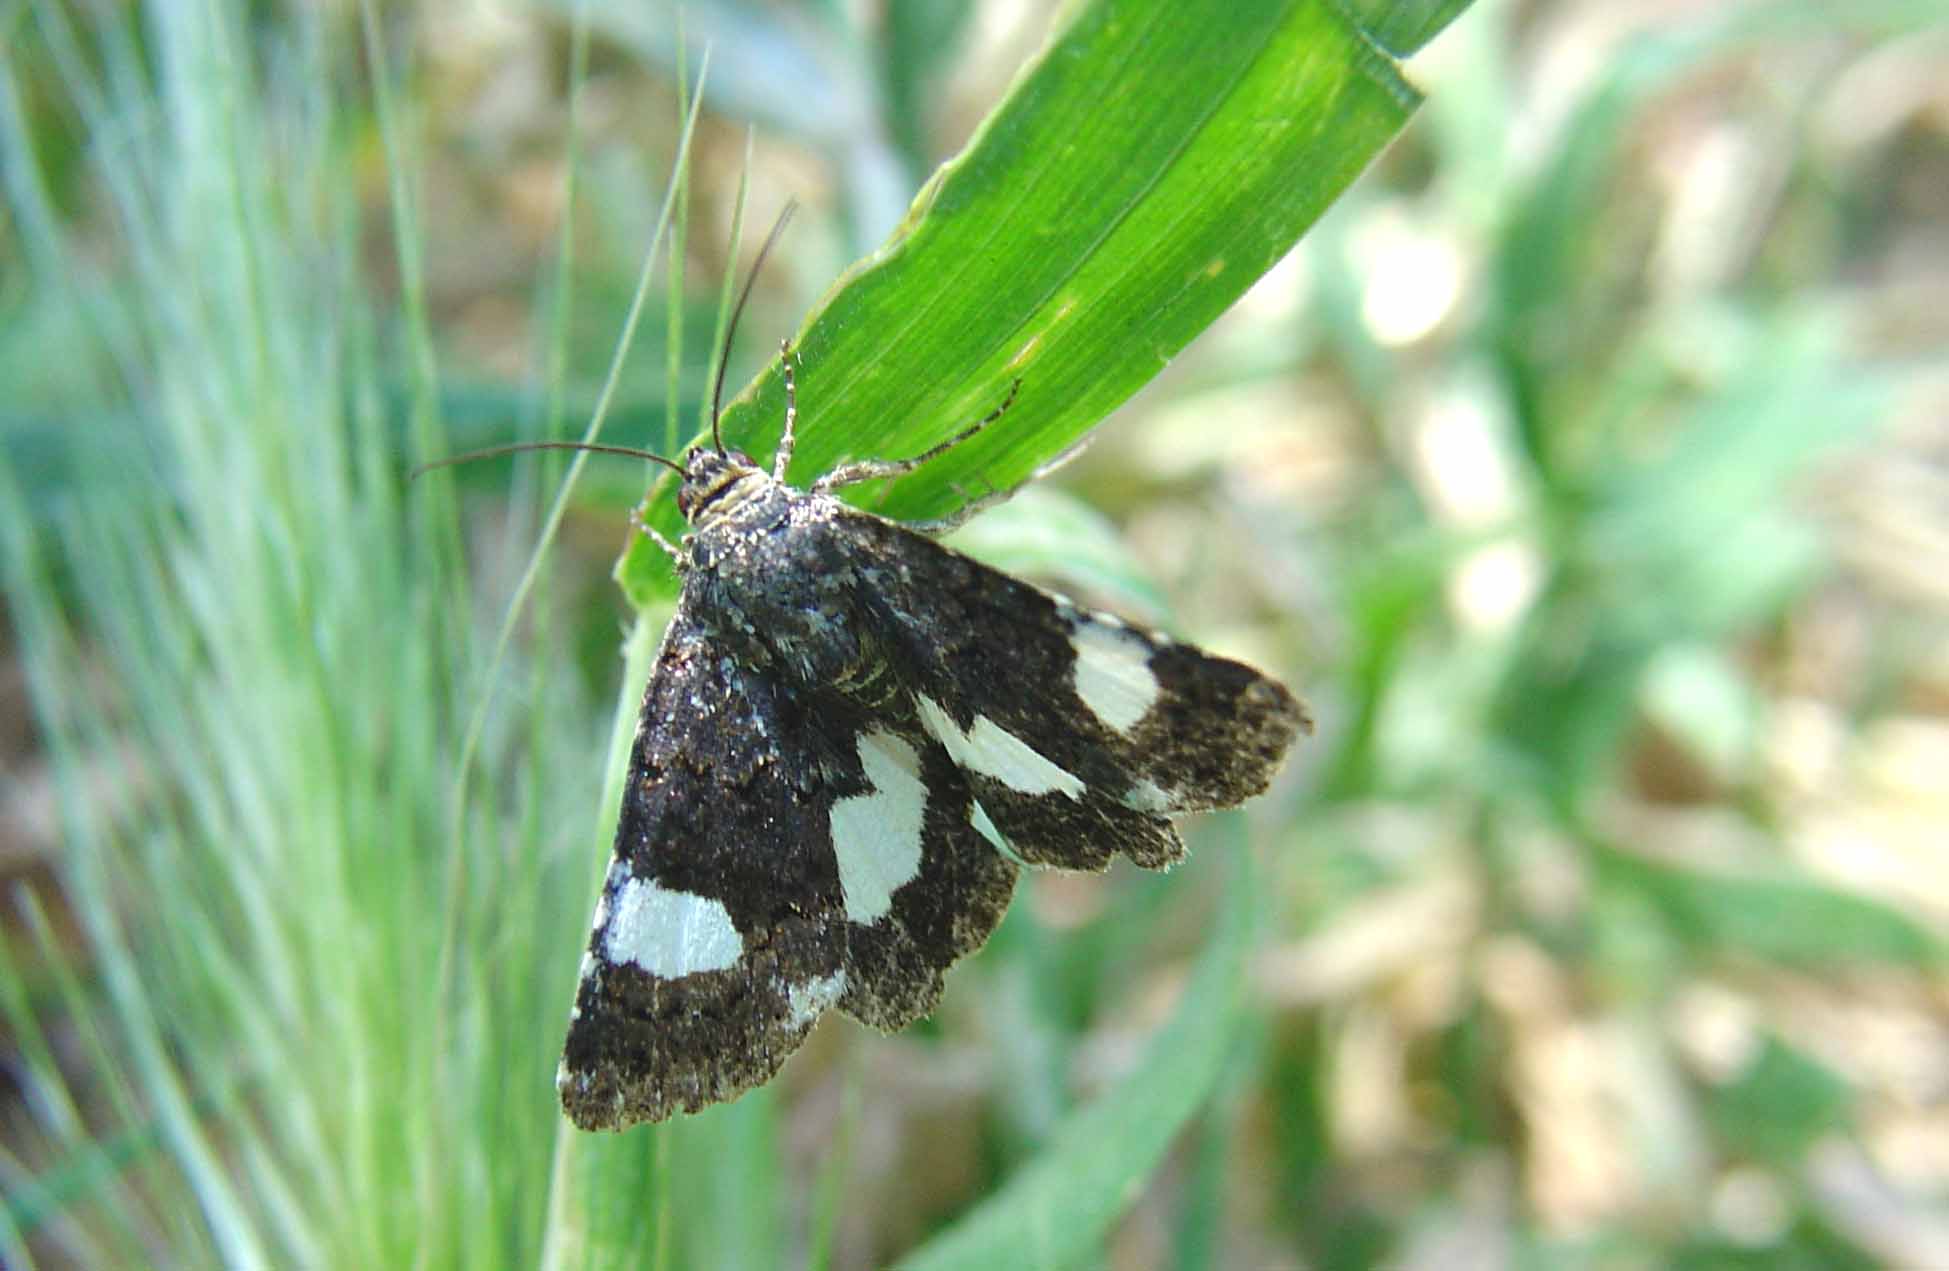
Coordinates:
<point>853,741</point>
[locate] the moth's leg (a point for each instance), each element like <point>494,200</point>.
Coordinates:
<point>981,503</point>
<point>966,512</point>
<point>784,455</point>
<point>873,469</point>
<point>637,525</point>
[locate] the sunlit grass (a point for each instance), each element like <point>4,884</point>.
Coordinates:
<point>263,651</point>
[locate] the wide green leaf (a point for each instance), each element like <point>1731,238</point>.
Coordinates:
<point>1141,174</point>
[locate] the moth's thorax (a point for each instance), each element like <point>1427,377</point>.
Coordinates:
<point>766,574</point>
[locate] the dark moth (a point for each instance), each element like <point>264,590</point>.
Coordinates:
<point>853,739</point>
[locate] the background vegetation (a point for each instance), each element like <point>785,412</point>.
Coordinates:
<point>1584,466</point>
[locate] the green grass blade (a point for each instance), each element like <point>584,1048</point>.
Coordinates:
<point>1057,1208</point>
<point>587,1223</point>
<point>1782,918</point>
<point>1142,173</point>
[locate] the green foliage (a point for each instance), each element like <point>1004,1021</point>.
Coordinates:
<point>1056,1209</point>
<point>327,787</point>
<point>1789,919</point>
<point>1780,1106</point>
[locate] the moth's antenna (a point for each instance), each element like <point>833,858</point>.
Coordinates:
<point>494,452</point>
<point>724,354</point>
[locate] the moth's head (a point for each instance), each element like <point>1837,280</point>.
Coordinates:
<point>710,475</point>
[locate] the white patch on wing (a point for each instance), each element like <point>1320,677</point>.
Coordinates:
<point>978,817</point>
<point>1113,675</point>
<point>992,751</point>
<point>1147,796</point>
<point>670,933</point>
<point>876,835</point>
<point>808,1001</point>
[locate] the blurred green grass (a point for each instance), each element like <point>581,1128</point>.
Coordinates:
<point>1582,466</point>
